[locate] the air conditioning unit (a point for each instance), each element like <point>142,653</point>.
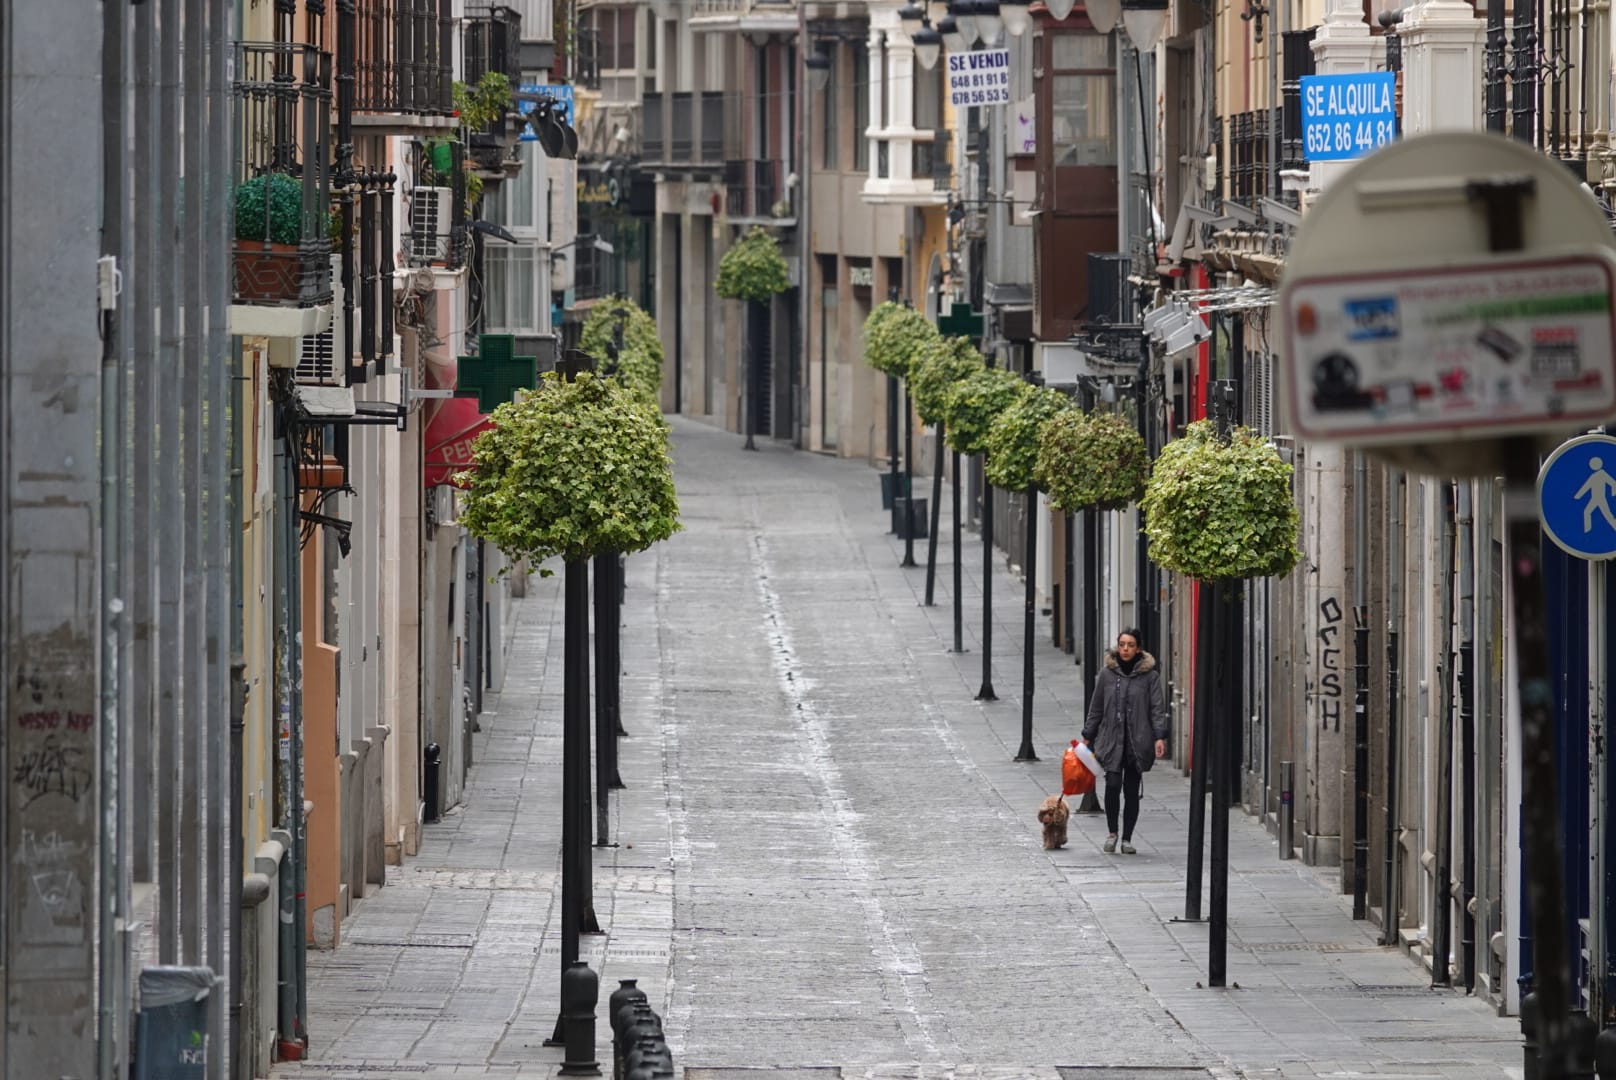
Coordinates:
<point>431,224</point>
<point>320,359</point>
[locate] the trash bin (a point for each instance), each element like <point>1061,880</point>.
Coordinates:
<point>892,485</point>
<point>922,505</point>
<point>171,1032</point>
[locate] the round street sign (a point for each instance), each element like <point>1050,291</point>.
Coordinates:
<point>1447,297</point>
<point>1576,494</point>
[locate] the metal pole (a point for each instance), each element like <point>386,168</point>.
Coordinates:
<point>1026,752</point>
<point>1442,915</point>
<point>985,692</point>
<point>574,712</point>
<point>959,601</point>
<point>604,736</point>
<point>300,833</point>
<point>1467,737</point>
<point>1360,707</point>
<point>892,439</point>
<point>1200,742</point>
<point>1219,724</point>
<point>908,481</point>
<point>1068,594</point>
<point>284,540</point>
<point>1287,810</point>
<point>936,517</point>
<point>1390,908</point>
<point>754,309</point>
<point>1540,796</point>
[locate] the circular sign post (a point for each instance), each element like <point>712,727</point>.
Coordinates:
<point>1576,496</point>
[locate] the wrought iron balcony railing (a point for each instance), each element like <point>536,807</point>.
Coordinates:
<point>283,208</point>
<point>404,59</point>
<point>491,41</point>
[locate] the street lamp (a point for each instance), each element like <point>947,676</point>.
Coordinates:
<point>1059,9</point>
<point>928,45</point>
<point>964,12</point>
<point>818,65</point>
<point>988,21</point>
<point>911,17</point>
<point>1017,16</point>
<point>1104,14</point>
<point>949,31</point>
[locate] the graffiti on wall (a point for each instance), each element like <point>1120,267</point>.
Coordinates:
<point>1331,635</point>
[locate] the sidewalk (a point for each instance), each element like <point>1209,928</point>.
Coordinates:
<point>829,862</point>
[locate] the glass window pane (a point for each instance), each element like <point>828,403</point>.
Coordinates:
<point>625,37</point>
<point>1083,120</point>
<point>509,290</point>
<point>1080,52</point>
<point>861,107</point>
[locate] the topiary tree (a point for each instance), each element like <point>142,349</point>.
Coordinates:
<point>1218,510</point>
<point>942,362</point>
<point>753,268</point>
<point>975,402</point>
<point>574,469</point>
<point>894,337</point>
<point>639,361</point>
<point>1091,461</point>
<point>270,207</point>
<point>1013,440</point>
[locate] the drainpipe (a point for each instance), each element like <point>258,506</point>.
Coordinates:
<point>286,1022</point>
<point>300,829</point>
<point>1467,733</point>
<point>112,1000</point>
<point>1442,913</point>
<point>1394,609</point>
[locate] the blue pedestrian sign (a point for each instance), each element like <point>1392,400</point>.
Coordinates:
<point>1347,116</point>
<point>1576,491</point>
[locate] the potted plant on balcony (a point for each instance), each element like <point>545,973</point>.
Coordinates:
<point>481,107</point>
<point>269,234</point>
<point>753,270</point>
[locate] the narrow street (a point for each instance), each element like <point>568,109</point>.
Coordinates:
<point>828,860</point>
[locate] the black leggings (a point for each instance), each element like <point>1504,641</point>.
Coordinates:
<point>1124,787</point>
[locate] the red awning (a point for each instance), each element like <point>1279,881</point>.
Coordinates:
<point>452,427</point>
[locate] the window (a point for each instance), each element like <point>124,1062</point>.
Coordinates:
<point>828,111</point>
<point>861,107</point>
<point>611,33</point>
<point>511,288</point>
<point>1083,108</point>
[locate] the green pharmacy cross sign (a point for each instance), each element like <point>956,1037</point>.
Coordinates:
<point>961,321</point>
<point>496,373</point>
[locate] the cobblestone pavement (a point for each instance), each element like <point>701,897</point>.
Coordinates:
<point>828,864</point>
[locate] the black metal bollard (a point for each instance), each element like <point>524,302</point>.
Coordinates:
<point>1529,1036</point>
<point>580,992</point>
<point>619,1013</point>
<point>434,766</point>
<point>1580,1052</point>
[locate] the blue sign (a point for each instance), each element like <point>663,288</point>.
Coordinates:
<point>1347,116</point>
<point>559,93</point>
<point>1576,492</point>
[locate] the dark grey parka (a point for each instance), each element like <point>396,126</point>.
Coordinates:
<point>1131,704</point>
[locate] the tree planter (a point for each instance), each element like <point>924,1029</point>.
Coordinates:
<point>269,273</point>
<point>1091,461</point>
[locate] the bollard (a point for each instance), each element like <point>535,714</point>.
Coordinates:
<point>620,1013</point>
<point>580,992</point>
<point>1605,1054</point>
<point>434,766</point>
<point>1529,1037</point>
<point>1287,810</point>
<point>1580,1051</point>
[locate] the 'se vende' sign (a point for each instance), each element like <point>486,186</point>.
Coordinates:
<point>979,78</point>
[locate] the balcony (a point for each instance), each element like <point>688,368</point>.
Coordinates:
<point>686,131</point>
<point>282,245</point>
<point>403,66</point>
<point>751,189</point>
<point>913,168</point>
<point>435,209</point>
<point>491,41</point>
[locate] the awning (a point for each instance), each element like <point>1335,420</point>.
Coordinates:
<point>451,429</point>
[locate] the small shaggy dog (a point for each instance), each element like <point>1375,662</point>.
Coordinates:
<point>1053,812</point>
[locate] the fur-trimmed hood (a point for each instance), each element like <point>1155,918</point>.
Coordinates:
<point>1146,662</point>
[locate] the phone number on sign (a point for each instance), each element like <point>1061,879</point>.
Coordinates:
<point>1343,136</point>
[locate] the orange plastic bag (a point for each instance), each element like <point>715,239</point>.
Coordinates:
<point>1076,779</point>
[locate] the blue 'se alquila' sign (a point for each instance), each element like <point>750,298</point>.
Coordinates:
<point>1347,116</point>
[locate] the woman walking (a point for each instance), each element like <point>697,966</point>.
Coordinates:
<point>1126,727</point>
